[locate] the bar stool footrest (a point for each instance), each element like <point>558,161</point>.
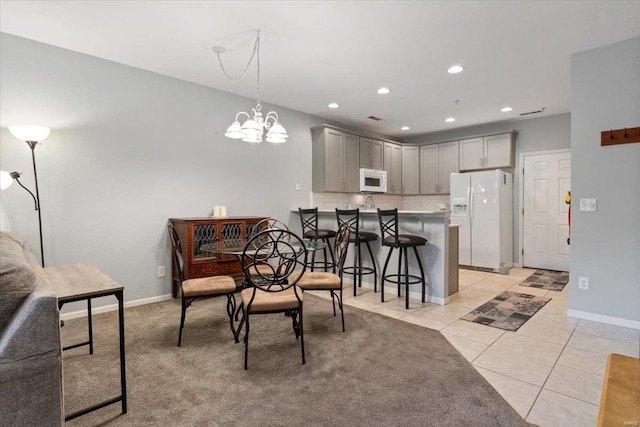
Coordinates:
<point>402,279</point>
<point>358,270</point>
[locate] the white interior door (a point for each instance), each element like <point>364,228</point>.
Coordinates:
<point>547,178</point>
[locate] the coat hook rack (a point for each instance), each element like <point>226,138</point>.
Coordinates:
<point>619,136</point>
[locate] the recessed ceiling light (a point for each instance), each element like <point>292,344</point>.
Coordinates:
<point>455,69</point>
<point>383,90</point>
<point>450,119</point>
<point>333,105</point>
<point>405,128</point>
<point>506,109</point>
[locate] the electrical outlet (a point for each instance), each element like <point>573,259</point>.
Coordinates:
<point>588,205</point>
<point>583,283</point>
<point>161,271</point>
<point>297,186</point>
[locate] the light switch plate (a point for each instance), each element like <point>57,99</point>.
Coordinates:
<point>588,205</point>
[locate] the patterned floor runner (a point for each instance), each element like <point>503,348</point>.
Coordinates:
<point>547,279</point>
<point>508,311</point>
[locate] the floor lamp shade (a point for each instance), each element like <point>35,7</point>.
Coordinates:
<point>30,133</point>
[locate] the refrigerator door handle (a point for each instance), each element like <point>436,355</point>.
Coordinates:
<point>471,207</point>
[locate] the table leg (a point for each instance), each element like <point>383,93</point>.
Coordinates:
<point>123,379</point>
<point>89,317</point>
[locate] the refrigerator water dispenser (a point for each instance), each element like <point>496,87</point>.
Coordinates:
<point>460,206</point>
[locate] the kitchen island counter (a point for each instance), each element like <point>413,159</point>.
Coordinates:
<point>433,225</point>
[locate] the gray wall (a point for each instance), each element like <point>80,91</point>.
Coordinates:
<point>128,149</point>
<point>544,133</point>
<point>605,245</point>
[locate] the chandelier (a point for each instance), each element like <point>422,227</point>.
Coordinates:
<point>255,125</point>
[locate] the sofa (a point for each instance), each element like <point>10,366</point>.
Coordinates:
<point>31,392</point>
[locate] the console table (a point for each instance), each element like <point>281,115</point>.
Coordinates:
<point>198,235</point>
<point>83,282</point>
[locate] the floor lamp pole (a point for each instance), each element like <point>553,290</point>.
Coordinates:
<point>32,145</point>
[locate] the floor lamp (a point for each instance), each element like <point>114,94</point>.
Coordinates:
<point>32,135</point>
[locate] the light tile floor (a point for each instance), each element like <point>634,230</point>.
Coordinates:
<point>550,370</point>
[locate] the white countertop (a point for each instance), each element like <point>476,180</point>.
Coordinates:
<point>401,211</point>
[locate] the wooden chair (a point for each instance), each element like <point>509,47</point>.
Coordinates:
<point>205,287</point>
<point>269,263</point>
<point>327,281</point>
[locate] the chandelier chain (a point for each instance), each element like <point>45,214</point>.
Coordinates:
<point>256,52</point>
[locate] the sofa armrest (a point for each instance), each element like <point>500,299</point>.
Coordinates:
<point>33,331</point>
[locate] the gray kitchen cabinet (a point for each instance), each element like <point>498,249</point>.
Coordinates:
<point>393,165</point>
<point>336,160</point>
<point>437,162</point>
<point>488,152</point>
<point>411,169</point>
<point>371,153</point>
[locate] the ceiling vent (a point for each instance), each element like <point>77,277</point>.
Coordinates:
<point>374,118</point>
<point>534,112</point>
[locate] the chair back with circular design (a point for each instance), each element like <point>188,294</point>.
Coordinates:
<point>270,258</point>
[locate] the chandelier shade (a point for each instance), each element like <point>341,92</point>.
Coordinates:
<point>255,126</point>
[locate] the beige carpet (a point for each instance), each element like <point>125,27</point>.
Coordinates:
<point>381,372</point>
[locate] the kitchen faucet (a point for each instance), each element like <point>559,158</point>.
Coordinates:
<point>368,202</point>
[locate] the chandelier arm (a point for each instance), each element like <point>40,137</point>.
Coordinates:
<point>256,48</point>
<point>270,115</point>
<point>242,112</point>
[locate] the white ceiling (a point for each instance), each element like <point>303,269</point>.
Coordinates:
<point>313,53</point>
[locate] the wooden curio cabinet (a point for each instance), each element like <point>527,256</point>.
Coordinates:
<point>199,235</point>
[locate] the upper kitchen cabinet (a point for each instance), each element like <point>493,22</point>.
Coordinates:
<point>393,165</point>
<point>437,162</point>
<point>336,160</point>
<point>488,152</point>
<point>371,153</point>
<point>411,169</point>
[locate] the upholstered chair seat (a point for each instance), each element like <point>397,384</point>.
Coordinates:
<point>206,286</point>
<point>271,301</point>
<point>319,280</point>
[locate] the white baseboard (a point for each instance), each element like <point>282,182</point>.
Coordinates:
<point>114,307</point>
<point>634,324</point>
<point>393,289</point>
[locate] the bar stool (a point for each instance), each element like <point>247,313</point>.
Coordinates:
<point>310,230</point>
<point>352,218</point>
<point>390,237</point>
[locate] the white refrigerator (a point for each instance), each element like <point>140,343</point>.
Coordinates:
<point>482,207</point>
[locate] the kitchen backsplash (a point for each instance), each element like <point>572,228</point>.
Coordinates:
<point>383,201</point>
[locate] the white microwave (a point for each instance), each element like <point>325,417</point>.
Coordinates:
<point>373,181</point>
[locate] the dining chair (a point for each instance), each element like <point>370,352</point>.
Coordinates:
<point>266,224</point>
<point>310,230</point>
<point>205,287</point>
<point>328,281</point>
<point>273,261</point>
